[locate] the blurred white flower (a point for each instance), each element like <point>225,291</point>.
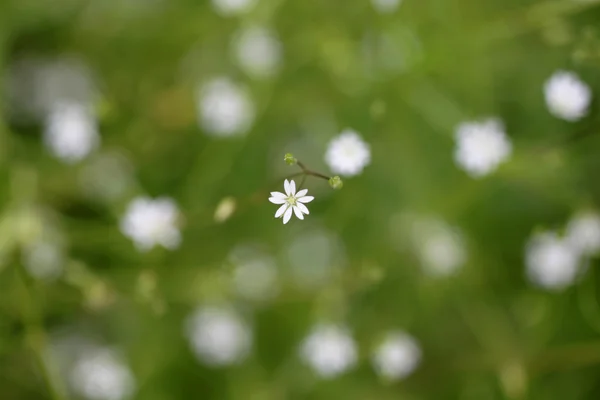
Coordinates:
<point>385,6</point>
<point>224,108</point>
<point>218,336</point>
<point>71,132</point>
<point>481,147</point>
<point>551,262</point>
<point>347,154</point>
<point>256,278</point>
<point>567,97</point>
<point>440,247</point>
<point>397,356</point>
<point>99,374</point>
<point>258,52</point>
<point>329,350</point>
<point>106,177</point>
<point>583,233</point>
<point>225,209</point>
<point>291,201</point>
<point>43,260</point>
<point>150,222</point>
<point>228,8</point>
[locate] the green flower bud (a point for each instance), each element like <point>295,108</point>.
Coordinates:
<point>336,182</point>
<point>289,159</point>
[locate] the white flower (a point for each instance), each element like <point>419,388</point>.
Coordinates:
<point>385,6</point>
<point>258,51</point>
<point>551,262</point>
<point>106,177</point>
<point>100,375</point>
<point>224,108</point>
<point>71,132</point>
<point>440,247</point>
<point>150,222</point>
<point>347,154</point>
<point>43,260</point>
<point>397,356</point>
<point>329,350</point>
<point>291,201</point>
<point>583,233</point>
<point>567,97</point>
<point>218,336</point>
<point>481,147</point>
<point>256,278</point>
<point>233,7</point>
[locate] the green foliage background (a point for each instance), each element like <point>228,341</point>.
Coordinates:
<point>486,333</point>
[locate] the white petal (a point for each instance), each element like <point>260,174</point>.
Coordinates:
<point>276,200</point>
<point>301,192</point>
<point>298,213</point>
<point>286,186</point>
<point>302,208</point>
<point>306,199</point>
<point>287,215</point>
<point>280,210</point>
<point>278,194</point>
<point>292,187</point>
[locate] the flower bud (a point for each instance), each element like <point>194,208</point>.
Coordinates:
<point>336,182</point>
<point>289,159</point>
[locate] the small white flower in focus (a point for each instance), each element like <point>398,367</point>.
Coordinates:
<point>397,356</point>
<point>329,350</point>
<point>567,97</point>
<point>70,132</point>
<point>481,147</point>
<point>385,6</point>
<point>258,52</point>
<point>440,247</point>
<point>347,154</point>
<point>224,108</point>
<point>228,8</point>
<point>583,233</point>
<point>99,374</point>
<point>551,262</point>
<point>218,336</point>
<point>291,201</point>
<point>43,260</point>
<point>150,222</point>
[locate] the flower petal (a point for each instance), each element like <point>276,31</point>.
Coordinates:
<point>278,194</point>
<point>306,199</point>
<point>301,192</point>
<point>302,208</point>
<point>298,213</point>
<point>280,210</point>
<point>292,188</point>
<point>277,200</point>
<point>287,215</point>
<point>286,186</point>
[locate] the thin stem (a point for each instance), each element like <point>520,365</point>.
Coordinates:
<point>302,181</point>
<point>312,173</point>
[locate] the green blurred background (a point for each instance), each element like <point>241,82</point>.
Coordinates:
<point>403,79</point>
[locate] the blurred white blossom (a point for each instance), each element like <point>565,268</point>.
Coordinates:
<point>99,374</point>
<point>347,154</point>
<point>150,222</point>
<point>218,336</point>
<point>386,6</point>
<point>397,356</point>
<point>551,262</point>
<point>224,108</point>
<point>255,276</point>
<point>44,260</point>
<point>71,131</point>
<point>106,176</point>
<point>583,233</point>
<point>228,8</point>
<point>481,147</point>
<point>329,350</point>
<point>291,201</point>
<point>567,97</point>
<point>258,52</point>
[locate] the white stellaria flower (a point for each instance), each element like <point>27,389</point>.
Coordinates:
<point>583,233</point>
<point>440,247</point>
<point>567,97</point>
<point>291,201</point>
<point>347,154</point>
<point>385,6</point>
<point>481,147</point>
<point>218,336</point>
<point>150,222</point>
<point>329,350</point>
<point>258,52</point>
<point>256,279</point>
<point>397,356</point>
<point>552,263</point>
<point>228,8</point>
<point>71,132</point>
<point>224,108</point>
<point>99,374</point>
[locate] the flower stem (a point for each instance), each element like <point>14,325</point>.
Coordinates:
<point>312,173</point>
